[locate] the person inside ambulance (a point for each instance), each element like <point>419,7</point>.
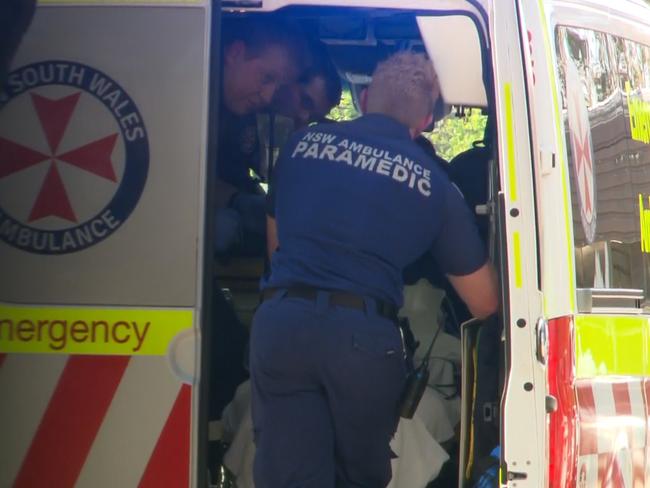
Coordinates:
<point>259,56</point>
<point>307,99</point>
<point>303,101</point>
<point>314,94</point>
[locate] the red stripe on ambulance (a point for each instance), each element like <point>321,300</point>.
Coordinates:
<point>588,419</point>
<point>169,464</point>
<point>622,398</point>
<point>71,421</point>
<point>609,472</point>
<point>646,397</point>
<point>613,427</point>
<point>563,422</point>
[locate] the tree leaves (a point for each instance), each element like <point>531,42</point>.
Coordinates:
<point>455,134</point>
<point>451,136</point>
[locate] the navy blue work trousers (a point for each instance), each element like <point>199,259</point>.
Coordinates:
<point>326,383</point>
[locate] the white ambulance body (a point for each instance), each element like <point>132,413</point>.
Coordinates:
<point>107,163</point>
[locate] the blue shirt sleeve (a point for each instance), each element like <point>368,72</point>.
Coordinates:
<point>277,168</point>
<point>458,249</point>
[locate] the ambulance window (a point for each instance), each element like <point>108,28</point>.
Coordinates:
<point>346,109</point>
<point>605,89</point>
<point>457,132</point>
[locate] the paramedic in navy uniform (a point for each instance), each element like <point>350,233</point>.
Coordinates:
<point>354,203</point>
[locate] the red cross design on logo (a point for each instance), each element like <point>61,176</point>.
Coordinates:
<point>94,157</point>
<point>584,164</point>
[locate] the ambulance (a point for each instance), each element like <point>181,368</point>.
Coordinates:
<point>108,323</point>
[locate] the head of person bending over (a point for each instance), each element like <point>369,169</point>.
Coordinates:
<point>407,99</point>
<point>316,91</point>
<point>260,55</point>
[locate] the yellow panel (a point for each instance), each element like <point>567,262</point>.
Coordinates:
<point>80,330</point>
<point>510,134</point>
<point>611,345</point>
<point>630,339</point>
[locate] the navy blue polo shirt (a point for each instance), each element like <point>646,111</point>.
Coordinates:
<point>355,202</point>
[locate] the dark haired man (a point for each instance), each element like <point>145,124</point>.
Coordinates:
<point>314,94</point>
<point>304,97</point>
<point>259,56</point>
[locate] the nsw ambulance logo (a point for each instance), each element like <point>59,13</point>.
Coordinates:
<point>74,157</point>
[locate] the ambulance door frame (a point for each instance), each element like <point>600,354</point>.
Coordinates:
<point>481,21</point>
<point>205,307</point>
<point>522,457</point>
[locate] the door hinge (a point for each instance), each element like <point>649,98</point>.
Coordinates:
<point>541,332</point>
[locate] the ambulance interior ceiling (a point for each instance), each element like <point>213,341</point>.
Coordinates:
<point>360,38</point>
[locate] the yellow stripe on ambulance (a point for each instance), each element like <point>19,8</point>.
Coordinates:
<point>95,331</point>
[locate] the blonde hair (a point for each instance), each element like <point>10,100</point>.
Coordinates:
<point>405,87</point>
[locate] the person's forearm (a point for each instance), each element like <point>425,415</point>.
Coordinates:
<point>479,290</point>
<point>271,236</point>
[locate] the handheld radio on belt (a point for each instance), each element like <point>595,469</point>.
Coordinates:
<point>416,382</point>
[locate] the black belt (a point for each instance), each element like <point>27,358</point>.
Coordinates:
<point>338,298</point>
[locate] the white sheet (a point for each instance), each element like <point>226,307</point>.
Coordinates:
<point>416,441</point>
<point>420,456</point>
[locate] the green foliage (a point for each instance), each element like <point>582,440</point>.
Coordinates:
<point>451,136</point>
<point>454,134</point>
<point>345,109</point>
